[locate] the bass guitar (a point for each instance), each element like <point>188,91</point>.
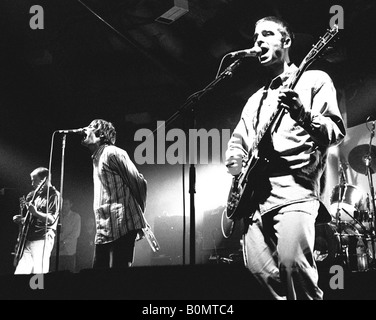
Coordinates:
<point>243,186</point>
<point>24,229</point>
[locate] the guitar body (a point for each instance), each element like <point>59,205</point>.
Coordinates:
<point>18,244</point>
<point>240,201</point>
<point>242,192</point>
<point>20,247</point>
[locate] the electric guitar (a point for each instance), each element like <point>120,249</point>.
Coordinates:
<point>22,205</point>
<point>244,185</point>
<point>24,229</point>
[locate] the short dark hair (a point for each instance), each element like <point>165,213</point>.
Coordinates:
<point>41,172</point>
<point>285,26</point>
<point>105,130</point>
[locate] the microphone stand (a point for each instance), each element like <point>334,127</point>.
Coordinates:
<point>58,228</point>
<point>341,195</point>
<point>189,105</point>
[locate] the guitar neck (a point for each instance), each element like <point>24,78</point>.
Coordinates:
<point>314,53</point>
<point>293,80</point>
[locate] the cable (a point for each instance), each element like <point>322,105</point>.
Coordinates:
<point>220,66</point>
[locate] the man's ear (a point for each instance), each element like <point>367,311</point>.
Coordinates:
<point>286,42</point>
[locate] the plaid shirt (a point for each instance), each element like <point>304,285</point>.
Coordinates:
<point>119,194</point>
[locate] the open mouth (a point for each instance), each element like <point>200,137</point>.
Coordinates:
<point>264,50</point>
<point>84,136</point>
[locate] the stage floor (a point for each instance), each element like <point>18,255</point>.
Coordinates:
<point>189,282</point>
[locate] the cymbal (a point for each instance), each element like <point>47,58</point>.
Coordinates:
<point>358,156</point>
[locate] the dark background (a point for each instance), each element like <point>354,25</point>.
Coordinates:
<point>111,59</point>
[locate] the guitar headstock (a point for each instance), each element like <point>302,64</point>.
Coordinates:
<point>22,203</point>
<point>319,49</point>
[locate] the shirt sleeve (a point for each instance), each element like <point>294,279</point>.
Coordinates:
<point>136,182</point>
<point>323,121</point>
<point>239,142</point>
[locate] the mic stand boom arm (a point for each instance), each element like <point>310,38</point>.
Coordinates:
<point>190,106</point>
<point>194,98</point>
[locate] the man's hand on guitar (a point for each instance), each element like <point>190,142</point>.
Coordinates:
<point>234,164</point>
<point>18,219</point>
<point>33,210</point>
<point>289,100</point>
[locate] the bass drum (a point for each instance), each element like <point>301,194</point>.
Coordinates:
<point>326,245</point>
<point>339,248</point>
<point>330,243</point>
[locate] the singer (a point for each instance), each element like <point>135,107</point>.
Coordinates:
<point>279,232</point>
<point>119,198</point>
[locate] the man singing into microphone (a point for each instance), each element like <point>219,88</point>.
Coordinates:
<point>119,198</point>
<point>279,231</point>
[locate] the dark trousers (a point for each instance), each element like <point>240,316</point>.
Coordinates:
<point>116,254</point>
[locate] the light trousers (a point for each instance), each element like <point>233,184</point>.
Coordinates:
<point>278,250</point>
<point>36,256</point>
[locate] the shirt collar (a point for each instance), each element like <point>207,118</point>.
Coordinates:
<point>98,152</point>
<point>283,77</point>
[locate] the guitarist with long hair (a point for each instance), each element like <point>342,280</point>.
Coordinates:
<point>285,181</point>
<point>38,225</point>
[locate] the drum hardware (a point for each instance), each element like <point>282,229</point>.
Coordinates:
<point>352,244</point>
<point>363,160</point>
<point>359,220</point>
<point>353,251</point>
<point>347,199</point>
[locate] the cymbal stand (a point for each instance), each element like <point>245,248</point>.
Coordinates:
<point>367,160</point>
<point>341,194</point>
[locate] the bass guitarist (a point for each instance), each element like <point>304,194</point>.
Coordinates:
<point>36,238</point>
<point>288,177</point>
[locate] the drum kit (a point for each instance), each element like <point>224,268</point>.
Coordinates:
<point>350,238</point>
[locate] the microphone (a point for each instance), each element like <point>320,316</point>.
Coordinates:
<point>79,131</point>
<point>253,52</point>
